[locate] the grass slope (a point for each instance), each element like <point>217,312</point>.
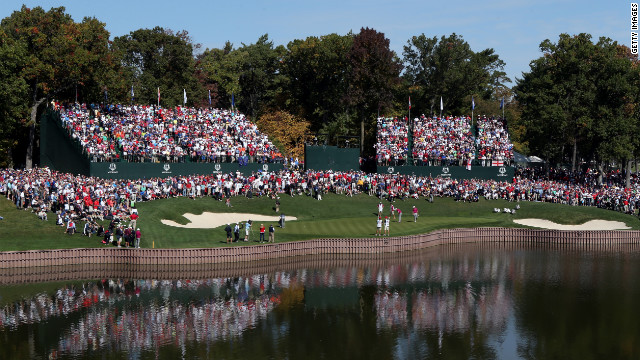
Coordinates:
<point>336,216</point>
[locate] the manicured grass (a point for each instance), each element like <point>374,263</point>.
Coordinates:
<point>336,216</point>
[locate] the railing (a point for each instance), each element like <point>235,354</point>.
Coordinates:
<point>621,240</point>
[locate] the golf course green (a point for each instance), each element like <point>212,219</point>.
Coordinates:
<point>336,216</point>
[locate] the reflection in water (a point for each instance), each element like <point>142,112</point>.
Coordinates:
<point>470,303</point>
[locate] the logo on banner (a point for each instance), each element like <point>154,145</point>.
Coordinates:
<point>167,169</point>
<point>445,172</point>
<point>390,170</point>
<point>265,167</point>
<point>502,171</point>
<point>112,169</point>
<point>217,168</point>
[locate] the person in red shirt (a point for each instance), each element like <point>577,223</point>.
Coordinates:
<point>134,220</point>
<point>262,229</point>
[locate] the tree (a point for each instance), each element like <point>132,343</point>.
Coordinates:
<point>60,55</point>
<point>317,73</point>
<point>578,100</point>
<point>220,74</point>
<point>375,72</point>
<point>450,69</point>
<point>159,58</point>
<point>13,92</point>
<point>288,130</point>
<point>258,76</point>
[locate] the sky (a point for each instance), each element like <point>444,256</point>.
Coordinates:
<point>513,28</point>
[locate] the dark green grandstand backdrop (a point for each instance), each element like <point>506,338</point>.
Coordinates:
<point>500,173</point>
<point>324,157</point>
<point>129,170</point>
<point>57,150</point>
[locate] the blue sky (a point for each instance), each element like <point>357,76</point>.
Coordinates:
<point>513,28</point>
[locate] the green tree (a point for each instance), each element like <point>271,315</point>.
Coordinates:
<point>317,73</point>
<point>220,73</point>
<point>259,75</point>
<point>13,92</point>
<point>159,58</point>
<point>60,55</point>
<point>448,68</point>
<point>578,101</point>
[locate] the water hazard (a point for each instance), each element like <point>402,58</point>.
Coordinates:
<point>449,303</point>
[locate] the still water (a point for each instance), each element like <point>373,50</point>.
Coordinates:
<point>464,303</point>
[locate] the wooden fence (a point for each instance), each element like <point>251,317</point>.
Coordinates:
<point>377,245</point>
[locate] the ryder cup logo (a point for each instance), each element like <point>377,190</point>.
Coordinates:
<point>502,171</point>
<point>167,169</point>
<point>265,167</point>
<point>390,170</point>
<point>217,167</point>
<point>112,169</point>
<point>445,171</point>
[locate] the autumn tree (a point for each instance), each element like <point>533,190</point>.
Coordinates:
<point>290,131</point>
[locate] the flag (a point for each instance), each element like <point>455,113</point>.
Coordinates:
<point>497,163</point>
<point>132,94</point>
<point>441,106</point>
<point>473,104</point>
<point>184,96</point>
<point>233,101</point>
<point>501,103</point>
<point>158,96</point>
<point>209,97</point>
<point>409,102</point>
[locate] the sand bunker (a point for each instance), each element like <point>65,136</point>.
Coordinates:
<point>589,225</point>
<point>208,220</point>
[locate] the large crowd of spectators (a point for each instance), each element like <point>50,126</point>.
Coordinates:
<point>443,141</point>
<point>150,133</point>
<point>69,197</point>
<point>392,141</point>
<point>493,140</point>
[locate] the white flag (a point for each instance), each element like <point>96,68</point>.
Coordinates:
<point>185,96</point>
<point>441,107</point>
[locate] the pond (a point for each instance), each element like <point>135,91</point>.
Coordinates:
<point>443,303</point>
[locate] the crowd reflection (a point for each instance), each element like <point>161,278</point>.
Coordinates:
<point>469,292</point>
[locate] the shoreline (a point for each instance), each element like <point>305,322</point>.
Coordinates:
<point>371,246</point>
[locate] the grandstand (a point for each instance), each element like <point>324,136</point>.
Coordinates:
<point>147,141</point>
<point>447,146</point>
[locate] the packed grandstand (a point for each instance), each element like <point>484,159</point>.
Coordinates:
<point>156,134</point>
<point>440,141</point>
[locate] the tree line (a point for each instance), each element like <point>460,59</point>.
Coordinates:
<point>576,99</point>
